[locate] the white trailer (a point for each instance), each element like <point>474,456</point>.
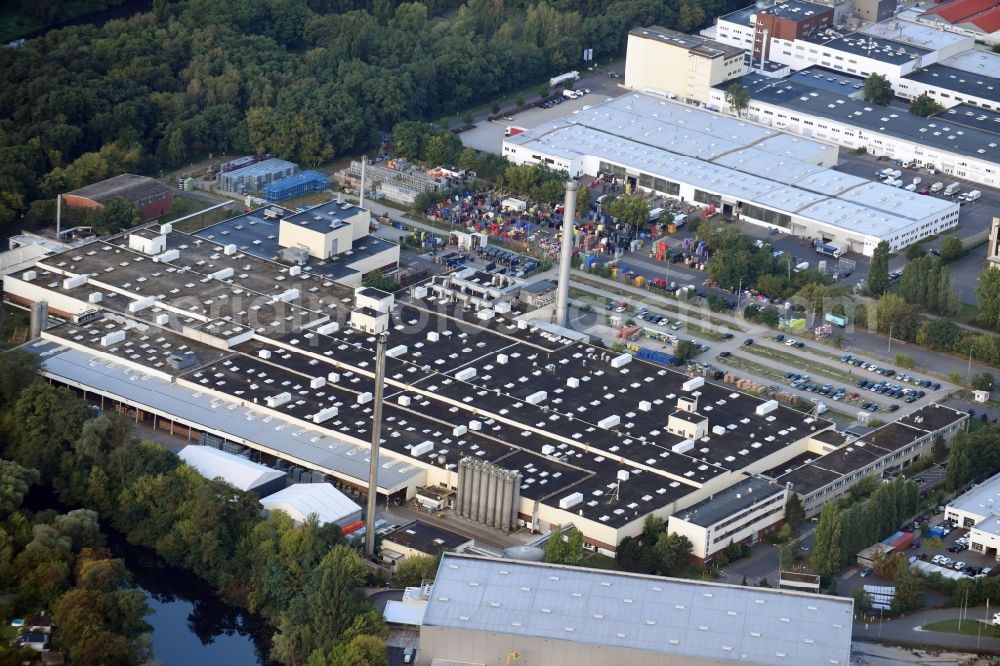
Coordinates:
<point>562,78</point>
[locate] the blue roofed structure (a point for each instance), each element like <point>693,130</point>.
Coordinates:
<point>296,185</point>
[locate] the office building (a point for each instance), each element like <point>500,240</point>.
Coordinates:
<point>978,510</point>
<point>673,64</point>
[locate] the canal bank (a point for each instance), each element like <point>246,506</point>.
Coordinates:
<point>191,624</point>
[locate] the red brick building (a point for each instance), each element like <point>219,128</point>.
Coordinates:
<point>150,196</point>
<point>788,20</point>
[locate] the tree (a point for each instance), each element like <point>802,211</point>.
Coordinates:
<point>983,382</point>
<point>786,557</point>
<point>925,105</point>
<point>988,298</point>
<point>769,316</point>
<point>378,280</point>
<point>939,333</point>
<point>915,251</point>
<point>685,350</point>
<point>794,513</point>
<point>862,600</point>
<point>361,650</point>
<point>413,570</point>
<point>951,249</point>
<point>878,90</point>
<point>555,548</point>
<point>909,596</point>
<point>906,361</point>
<point>316,619</point>
<point>630,209</point>
<point>878,269</point>
<point>738,98</point>
<point>672,552</point>
<point>826,543</point>
<point>582,201</point>
<point>116,215</point>
<point>14,483</point>
<point>959,467</point>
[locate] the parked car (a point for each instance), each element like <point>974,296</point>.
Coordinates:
<point>725,354</point>
<point>748,342</point>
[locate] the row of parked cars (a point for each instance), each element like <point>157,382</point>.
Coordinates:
<point>896,391</point>
<point>859,362</point>
<point>780,337</point>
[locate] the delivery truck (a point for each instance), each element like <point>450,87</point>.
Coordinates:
<point>831,249</point>
<point>952,189</point>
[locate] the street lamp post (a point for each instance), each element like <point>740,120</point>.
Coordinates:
<point>380,342</point>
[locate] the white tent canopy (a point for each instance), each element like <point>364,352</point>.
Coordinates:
<point>234,470</point>
<point>304,499</point>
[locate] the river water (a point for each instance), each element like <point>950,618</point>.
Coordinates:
<point>191,625</point>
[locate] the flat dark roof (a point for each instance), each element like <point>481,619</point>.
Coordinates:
<point>426,538</point>
<point>830,80</point>
<point>795,10</point>
<point>740,16</point>
<point>876,48</point>
<point>730,501</point>
<point>257,235</point>
<point>808,478</point>
<point>849,458</point>
<point>794,95</point>
<point>933,416</point>
<point>974,117</point>
<point>958,80</point>
<point>703,46</point>
<point>831,437</point>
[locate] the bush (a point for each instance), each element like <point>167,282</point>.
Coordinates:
<point>905,361</point>
<point>721,560</point>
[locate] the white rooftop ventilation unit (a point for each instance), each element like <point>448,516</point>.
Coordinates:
<point>766,408</point>
<point>693,383</point>
<point>570,501</point>
<point>683,447</point>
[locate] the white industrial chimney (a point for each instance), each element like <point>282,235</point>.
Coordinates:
<point>566,254</point>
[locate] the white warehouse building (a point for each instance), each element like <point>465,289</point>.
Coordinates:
<point>953,147</point>
<point>755,173</point>
<point>978,510</point>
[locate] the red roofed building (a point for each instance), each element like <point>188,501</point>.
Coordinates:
<point>978,18</point>
<point>151,197</point>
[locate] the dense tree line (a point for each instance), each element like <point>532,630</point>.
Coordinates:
<point>974,456</point>
<point>926,282</point>
<point>842,533</point>
<point>303,579</point>
<point>306,80</point>
<point>57,564</point>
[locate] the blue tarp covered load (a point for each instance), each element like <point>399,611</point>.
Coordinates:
<point>296,185</point>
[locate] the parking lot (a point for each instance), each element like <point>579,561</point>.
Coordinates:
<point>488,136</point>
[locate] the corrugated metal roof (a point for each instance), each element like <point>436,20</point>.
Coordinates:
<point>665,615</point>
<point>312,445</point>
<point>234,470</point>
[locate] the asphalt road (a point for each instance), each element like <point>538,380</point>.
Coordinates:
<point>909,628</point>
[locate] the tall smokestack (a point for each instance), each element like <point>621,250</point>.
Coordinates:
<point>566,254</point>
<point>58,216</point>
<point>361,195</point>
